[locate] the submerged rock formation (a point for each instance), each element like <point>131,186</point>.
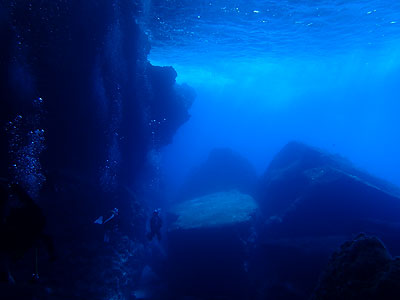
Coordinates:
<point>223,170</point>
<point>208,246</point>
<point>315,201</point>
<point>214,210</point>
<point>298,170</point>
<point>360,269</point>
<point>307,192</point>
<point>81,109</point>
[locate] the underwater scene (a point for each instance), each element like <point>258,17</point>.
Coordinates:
<point>200,149</point>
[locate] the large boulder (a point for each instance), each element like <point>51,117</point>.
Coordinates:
<point>315,201</point>
<point>360,269</point>
<point>306,192</point>
<point>208,246</point>
<point>299,170</point>
<point>223,170</point>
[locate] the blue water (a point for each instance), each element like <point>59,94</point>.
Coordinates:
<point>268,29</point>
<point>91,132</point>
<point>266,72</point>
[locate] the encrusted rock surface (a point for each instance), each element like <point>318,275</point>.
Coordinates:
<point>360,269</point>
<point>314,201</point>
<point>215,210</point>
<point>209,244</point>
<point>81,109</point>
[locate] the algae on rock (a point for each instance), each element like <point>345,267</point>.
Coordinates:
<point>219,209</point>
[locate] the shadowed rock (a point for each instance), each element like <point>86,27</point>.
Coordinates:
<point>81,109</point>
<point>314,202</point>
<point>298,170</point>
<point>208,245</point>
<point>360,269</point>
<point>307,192</point>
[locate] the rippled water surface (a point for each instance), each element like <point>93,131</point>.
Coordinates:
<point>325,72</point>
<point>247,29</point>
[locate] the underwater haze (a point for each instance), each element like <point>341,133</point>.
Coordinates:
<point>267,72</point>
<point>200,150</point>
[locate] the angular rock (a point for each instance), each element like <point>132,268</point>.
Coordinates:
<point>207,246</point>
<point>215,210</point>
<point>314,202</point>
<point>299,170</point>
<point>310,193</point>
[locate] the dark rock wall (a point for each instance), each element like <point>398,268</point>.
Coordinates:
<point>81,107</point>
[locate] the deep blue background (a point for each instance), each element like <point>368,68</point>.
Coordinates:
<point>266,72</point>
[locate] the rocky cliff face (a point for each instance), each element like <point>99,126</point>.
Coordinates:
<point>81,109</point>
